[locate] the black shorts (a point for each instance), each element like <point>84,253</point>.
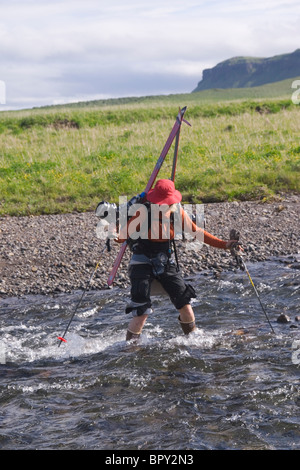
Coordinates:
<point>141,277</point>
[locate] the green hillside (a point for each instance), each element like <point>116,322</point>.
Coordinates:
<point>241,145</point>
<point>281,89</point>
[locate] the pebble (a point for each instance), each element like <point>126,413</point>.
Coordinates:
<point>58,253</point>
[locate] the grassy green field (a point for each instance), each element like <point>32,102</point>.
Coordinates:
<point>243,144</point>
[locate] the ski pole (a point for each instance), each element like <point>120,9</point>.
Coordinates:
<point>234,235</point>
<point>62,338</point>
<point>255,290</point>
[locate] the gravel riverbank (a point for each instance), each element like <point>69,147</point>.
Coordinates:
<point>58,253</point>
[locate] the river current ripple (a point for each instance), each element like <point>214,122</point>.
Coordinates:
<point>231,385</point>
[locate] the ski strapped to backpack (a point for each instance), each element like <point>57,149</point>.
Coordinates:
<point>176,150</point>
<point>175,157</point>
<point>174,133</point>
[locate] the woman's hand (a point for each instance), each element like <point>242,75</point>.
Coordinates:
<point>234,244</point>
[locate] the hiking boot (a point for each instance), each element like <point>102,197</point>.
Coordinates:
<point>187,327</point>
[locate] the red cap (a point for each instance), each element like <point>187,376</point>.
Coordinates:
<point>164,193</point>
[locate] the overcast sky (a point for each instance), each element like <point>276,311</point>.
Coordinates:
<point>61,51</point>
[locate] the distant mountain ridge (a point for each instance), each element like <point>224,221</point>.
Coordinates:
<point>243,72</point>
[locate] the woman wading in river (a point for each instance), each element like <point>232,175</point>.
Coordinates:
<point>151,239</point>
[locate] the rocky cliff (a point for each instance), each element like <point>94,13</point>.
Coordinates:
<point>241,72</point>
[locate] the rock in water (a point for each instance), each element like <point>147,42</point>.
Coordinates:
<point>283,318</point>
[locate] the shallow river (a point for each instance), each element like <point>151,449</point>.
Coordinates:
<point>232,384</point>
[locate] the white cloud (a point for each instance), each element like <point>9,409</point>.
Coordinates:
<point>68,48</point>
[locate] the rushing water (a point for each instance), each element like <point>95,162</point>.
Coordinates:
<point>232,384</point>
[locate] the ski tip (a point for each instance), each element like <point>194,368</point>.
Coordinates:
<point>181,113</point>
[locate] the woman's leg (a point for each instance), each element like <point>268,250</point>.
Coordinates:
<point>135,327</point>
<point>187,319</point>
<point>180,294</point>
<point>140,304</point>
